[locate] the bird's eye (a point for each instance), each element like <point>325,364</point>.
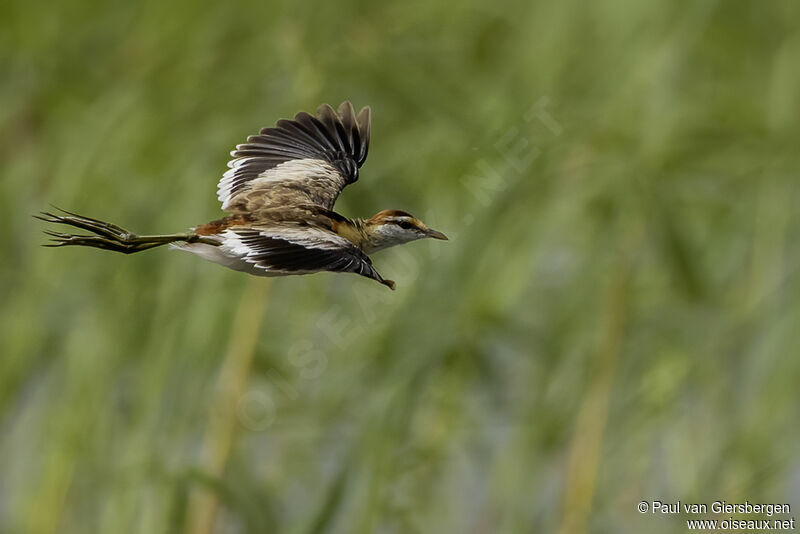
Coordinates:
<point>405,225</point>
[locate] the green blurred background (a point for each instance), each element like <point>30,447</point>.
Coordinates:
<point>614,319</point>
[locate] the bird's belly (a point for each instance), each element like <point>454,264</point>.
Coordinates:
<point>215,254</point>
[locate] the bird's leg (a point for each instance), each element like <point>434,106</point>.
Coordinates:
<point>109,236</point>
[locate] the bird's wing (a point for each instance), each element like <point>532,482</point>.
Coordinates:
<point>308,160</point>
<point>296,250</point>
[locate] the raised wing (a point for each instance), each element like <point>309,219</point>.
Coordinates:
<point>308,160</point>
<point>298,251</point>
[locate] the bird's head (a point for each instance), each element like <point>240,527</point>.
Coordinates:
<point>388,228</point>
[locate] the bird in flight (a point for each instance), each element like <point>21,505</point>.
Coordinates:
<point>279,191</point>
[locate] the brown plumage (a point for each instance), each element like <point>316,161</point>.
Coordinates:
<point>280,190</point>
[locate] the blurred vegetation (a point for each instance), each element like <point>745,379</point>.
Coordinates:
<point>612,320</point>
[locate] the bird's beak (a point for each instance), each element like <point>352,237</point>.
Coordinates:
<point>430,232</point>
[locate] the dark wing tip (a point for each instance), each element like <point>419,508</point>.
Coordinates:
<point>325,112</point>
<point>341,129</point>
<point>346,112</point>
<point>344,128</point>
<point>364,121</point>
<point>347,116</point>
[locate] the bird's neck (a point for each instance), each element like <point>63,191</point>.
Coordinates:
<point>362,234</point>
<point>354,230</point>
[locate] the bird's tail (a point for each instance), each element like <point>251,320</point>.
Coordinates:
<point>106,235</point>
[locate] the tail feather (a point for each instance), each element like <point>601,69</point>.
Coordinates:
<point>105,235</point>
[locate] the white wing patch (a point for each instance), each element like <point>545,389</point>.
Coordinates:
<point>307,237</point>
<point>316,174</point>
